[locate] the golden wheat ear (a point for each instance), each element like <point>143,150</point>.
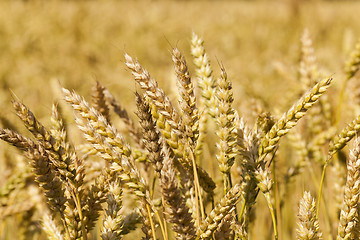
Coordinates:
<point>290,118</point>
<point>99,100</point>
<point>344,137</point>
<point>172,128</point>
<point>349,218</point>
<point>187,101</point>
<point>225,118</point>
<point>308,224</point>
<point>308,71</point>
<point>151,136</point>
<point>222,209</point>
<point>353,64</point>
<point>43,169</point>
<point>111,146</point>
<point>206,84</point>
<point>112,227</point>
<point>175,208</point>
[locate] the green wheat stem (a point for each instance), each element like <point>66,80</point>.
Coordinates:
<point>275,190</point>
<point>321,187</point>
<point>272,212</point>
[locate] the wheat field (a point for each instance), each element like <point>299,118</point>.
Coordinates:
<point>179,120</point>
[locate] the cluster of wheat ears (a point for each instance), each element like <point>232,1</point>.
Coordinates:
<point>176,197</point>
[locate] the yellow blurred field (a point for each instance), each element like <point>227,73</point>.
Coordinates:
<point>80,42</point>
<point>76,43</point>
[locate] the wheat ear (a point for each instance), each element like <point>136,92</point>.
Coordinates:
<point>225,118</point>
<point>58,130</point>
<point>222,209</point>
<point>349,214</point>
<point>290,118</point>
<point>95,197</point>
<point>58,156</point>
<point>176,210</point>
<point>99,100</point>
<point>308,224</point>
<point>307,67</point>
<point>151,136</point>
<point>206,84</point>
<point>187,100</point>
<point>112,220</point>
<point>52,231</point>
<point>173,127</point>
<point>110,146</point>
<point>44,173</point>
<point>345,136</point>
<point>353,64</point>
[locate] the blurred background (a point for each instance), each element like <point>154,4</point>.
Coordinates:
<point>76,43</point>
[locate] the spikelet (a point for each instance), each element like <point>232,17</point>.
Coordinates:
<point>129,222</point>
<point>224,230</point>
